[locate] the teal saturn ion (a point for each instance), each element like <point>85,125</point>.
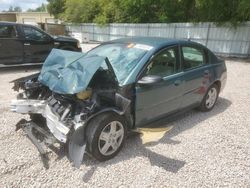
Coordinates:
<point>89,101</point>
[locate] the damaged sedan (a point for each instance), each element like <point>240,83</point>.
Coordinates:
<point>89,102</point>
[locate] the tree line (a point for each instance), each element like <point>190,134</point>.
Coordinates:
<point>146,11</point>
<point>150,11</point>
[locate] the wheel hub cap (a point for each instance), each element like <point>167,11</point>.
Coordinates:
<point>211,97</point>
<point>111,138</point>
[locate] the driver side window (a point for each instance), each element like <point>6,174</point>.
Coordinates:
<point>164,63</point>
<point>34,34</point>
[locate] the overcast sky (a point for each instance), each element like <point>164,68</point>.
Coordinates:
<point>24,4</point>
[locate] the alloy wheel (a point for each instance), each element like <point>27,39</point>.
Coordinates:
<point>211,97</point>
<point>111,138</point>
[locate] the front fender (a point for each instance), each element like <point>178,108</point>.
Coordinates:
<point>77,141</point>
<point>77,146</point>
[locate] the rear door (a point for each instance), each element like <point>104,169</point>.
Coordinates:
<point>11,46</point>
<point>197,73</point>
<point>37,44</point>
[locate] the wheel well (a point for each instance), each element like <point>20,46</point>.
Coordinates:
<point>218,83</point>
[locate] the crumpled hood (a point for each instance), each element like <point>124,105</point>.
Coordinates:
<point>68,72</point>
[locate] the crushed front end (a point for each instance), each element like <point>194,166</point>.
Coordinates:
<point>54,118</point>
<point>59,111</point>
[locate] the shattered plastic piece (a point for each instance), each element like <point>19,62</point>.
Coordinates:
<point>152,134</point>
<point>77,146</point>
<point>84,94</point>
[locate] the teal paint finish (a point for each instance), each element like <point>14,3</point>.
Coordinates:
<point>181,90</point>
<point>67,72</point>
<point>159,99</point>
<point>196,81</point>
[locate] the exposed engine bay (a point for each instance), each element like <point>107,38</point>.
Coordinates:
<point>62,118</point>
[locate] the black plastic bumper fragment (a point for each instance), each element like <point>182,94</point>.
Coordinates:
<point>29,127</point>
<point>77,143</point>
<point>77,146</point>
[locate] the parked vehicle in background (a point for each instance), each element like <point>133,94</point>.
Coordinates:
<point>93,99</point>
<point>22,44</point>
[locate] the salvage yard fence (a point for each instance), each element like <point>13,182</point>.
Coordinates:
<point>223,40</point>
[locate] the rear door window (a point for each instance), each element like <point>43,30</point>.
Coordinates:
<point>7,31</point>
<point>193,57</point>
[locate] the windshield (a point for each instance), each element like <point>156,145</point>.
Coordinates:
<point>122,57</point>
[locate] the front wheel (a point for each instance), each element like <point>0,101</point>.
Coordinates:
<point>210,98</point>
<point>105,135</point>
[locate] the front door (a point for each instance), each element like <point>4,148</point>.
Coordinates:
<point>37,45</point>
<point>11,46</point>
<point>155,101</point>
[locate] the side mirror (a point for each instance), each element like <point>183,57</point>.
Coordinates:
<point>149,80</point>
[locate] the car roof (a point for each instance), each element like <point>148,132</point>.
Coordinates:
<point>153,41</point>
<point>8,23</point>
<point>12,23</point>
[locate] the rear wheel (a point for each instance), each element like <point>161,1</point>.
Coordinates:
<point>210,98</point>
<point>105,136</point>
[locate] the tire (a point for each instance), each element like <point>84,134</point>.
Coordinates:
<point>210,98</point>
<point>101,137</point>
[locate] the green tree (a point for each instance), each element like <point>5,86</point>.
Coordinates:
<point>233,11</point>
<point>56,7</point>
<point>14,9</point>
<point>80,10</point>
<point>243,10</point>
<point>151,11</point>
<point>42,8</point>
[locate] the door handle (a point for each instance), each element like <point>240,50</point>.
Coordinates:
<point>26,44</point>
<point>177,82</point>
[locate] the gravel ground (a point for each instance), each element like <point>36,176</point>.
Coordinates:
<point>203,149</point>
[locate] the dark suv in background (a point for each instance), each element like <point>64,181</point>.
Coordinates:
<point>22,44</point>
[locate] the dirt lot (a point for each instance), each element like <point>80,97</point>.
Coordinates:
<point>203,149</point>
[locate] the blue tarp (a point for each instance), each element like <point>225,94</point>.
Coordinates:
<point>67,72</point>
